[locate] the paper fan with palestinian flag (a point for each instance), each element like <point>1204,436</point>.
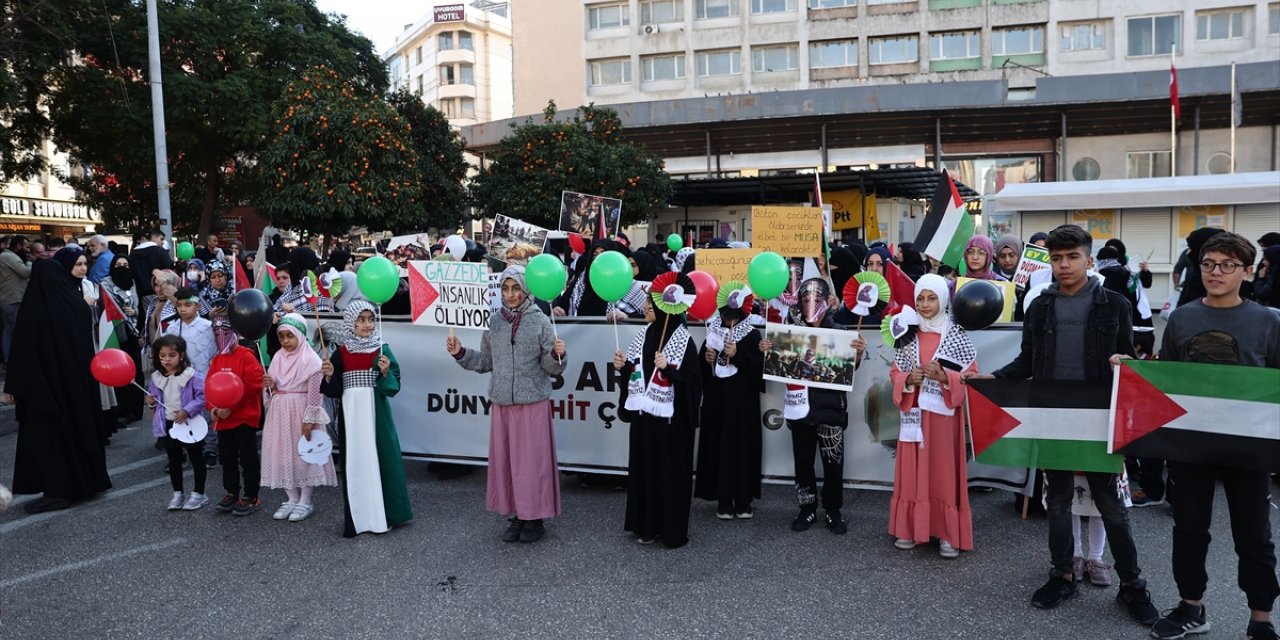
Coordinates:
<point>735,294</point>
<point>896,329</point>
<point>864,291</point>
<point>672,293</point>
<point>327,284</point>
<point>309,288</point>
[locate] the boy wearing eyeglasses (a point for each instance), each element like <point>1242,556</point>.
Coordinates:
<point>1222,328</point>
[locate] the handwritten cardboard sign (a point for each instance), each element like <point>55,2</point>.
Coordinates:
<point>794,232</point>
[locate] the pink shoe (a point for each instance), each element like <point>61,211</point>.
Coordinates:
<point>1099,573</point>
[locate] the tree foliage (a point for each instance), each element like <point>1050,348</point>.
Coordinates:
<point>536,162</point>
<point>340,156</point>
<point>224,62</point>
<point>441,169</point>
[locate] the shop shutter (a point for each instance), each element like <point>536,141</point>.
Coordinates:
<point>1253,220</point>
<point>1147,232</point>
<point>1046,221</point>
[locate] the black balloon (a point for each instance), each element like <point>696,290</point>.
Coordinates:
<point>250,314</point>
<point>977,305</point>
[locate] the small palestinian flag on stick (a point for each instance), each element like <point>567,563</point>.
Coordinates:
<point>1211,414</point>
<point>1042,424</point>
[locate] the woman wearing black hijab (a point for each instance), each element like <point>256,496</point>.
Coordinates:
<point>1193,285</point>
<point>661,401</point>
<point>580,299</point>
<point>119,285</point>
<point>60,421</point>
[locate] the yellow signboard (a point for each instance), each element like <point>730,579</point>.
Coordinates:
<point>1100,223</point>
<point>1007,288</point>
<point>793,232</point>
<point>1192,218</point>
<point>726,265</point>
<point>846,209</point>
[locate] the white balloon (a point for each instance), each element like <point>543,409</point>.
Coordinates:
<point>456,246</point>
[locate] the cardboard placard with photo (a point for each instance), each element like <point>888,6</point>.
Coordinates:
<point>508,232</point>
<point>811,356</point>
<point>589,215</point>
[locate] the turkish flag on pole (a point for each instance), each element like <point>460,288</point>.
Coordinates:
<point>1173,91</point>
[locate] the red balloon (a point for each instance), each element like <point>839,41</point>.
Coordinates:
<point>706,288</point>
<point>576,242</point>
<point>112,367</point>
<point>224,390</point>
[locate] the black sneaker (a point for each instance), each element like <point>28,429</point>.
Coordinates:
<point>246,506</point>
<point>1137,600</point>
<point>210,460</point>
<point>226,504</point>
<point>533,530</point>
<point>1179,621</point>
<point>804,520</point>
<point>1259,630</point>
<point>513,530</point>
<point>836,524</point>
<point>1053,593</point>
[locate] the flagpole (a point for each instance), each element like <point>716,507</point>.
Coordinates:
<point>1173,118</point>
<point>1233,116</point>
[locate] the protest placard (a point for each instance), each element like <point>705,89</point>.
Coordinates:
<point>787,231</point>
<point>1006,288</point>
<point>589,215</point>
<point>449,294</point>
<point>1033,259</point>
<point>726,265</point>
<point>811,356</point>
<point>508,232</point>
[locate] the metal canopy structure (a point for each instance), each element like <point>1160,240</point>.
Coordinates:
<point>1178,191</point>
<point>916,183</point>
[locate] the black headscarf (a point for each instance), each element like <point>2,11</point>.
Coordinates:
<point>67,257</point>
<point>1193,284</point>
<point>647,264</point>
<point>859,251</point>
<point>302,260</point>
<point>590,305</point>
<point>121,276</point>
<point>60,419</point>
<point>913,262</point>
<point>338,260</point>
<point>844,265</point>
<point>1124,252</point>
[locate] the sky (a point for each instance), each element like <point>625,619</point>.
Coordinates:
<point>379,20</point>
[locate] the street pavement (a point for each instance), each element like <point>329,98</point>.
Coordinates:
<point>120,566</point>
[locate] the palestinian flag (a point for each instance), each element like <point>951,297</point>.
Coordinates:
<point>1042,424</point>
<point>111,318</point>
<point>242,279</point>
<point>266,278</point>
<point>1215,414</point>
<point>947,227</point>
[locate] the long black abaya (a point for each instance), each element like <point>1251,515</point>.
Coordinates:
<point>729,442</point>
<point>60,422</point>
<point>660,462</point>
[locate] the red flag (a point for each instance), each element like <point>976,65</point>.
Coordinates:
<point>1173,91</point>
<point>242,278</point>
<point>817,191</point>
<point>902,289</point>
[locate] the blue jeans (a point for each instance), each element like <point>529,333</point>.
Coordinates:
<point>10,312</point>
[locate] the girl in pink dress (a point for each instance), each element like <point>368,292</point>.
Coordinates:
<point>295,409</point>
<point>930,496</point>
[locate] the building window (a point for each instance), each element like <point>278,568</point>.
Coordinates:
<point>468,108</point>
<point>1155,35</point>
<point>466,74</point>
<point>783,58</point>
<point>445,107</point>
<point>1148,164</point>
<point>1218,163</point>
<point>669,67</point>
<point>457,74</point>
<point>1220,25</point>
<point>719,63</point>
<point>1086,168</point>
<point>608,16</point>
<point>660,11</point>
<point>445,41</point>
<point>419,85</point>
<point>1013,41</point>
<point>833,53</point>
<point>893,50</point>
<point>417,56</point>
<point>464,41</point>
<point>772,6</point>
<point>832,4</point>
<point>612,71</point>
<point>1273,19</point>
<point>704,9</point>
<point>448,75</point>
<point>1083,36</point>
<point>955,45</point>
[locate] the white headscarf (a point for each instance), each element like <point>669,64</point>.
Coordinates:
<point>941,320</point>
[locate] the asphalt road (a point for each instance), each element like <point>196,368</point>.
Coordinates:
<point>122,567</point>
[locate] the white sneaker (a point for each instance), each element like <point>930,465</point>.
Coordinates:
<point>284,511</point>
<point>904,544</point>
<point>175,503</point>
<point>195,501</point>
<point>947,551</point>
<point>301,512</point>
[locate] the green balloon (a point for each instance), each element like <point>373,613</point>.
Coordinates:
<point>545,276</point>
<point>675,242</point>
<point>378,279</point>
<point>768,275</point>
<point>186,251</point>
<point>611,276</point>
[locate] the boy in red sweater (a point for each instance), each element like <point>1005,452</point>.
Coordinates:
<point>237,426</point>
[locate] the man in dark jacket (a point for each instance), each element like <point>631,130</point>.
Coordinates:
<point>147,257</point>
<point>1077,330</point>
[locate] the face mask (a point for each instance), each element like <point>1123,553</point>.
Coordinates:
<point>122,276</point>
<point>194,276</point>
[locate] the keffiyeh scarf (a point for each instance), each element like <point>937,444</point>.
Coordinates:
<point>657,397</point>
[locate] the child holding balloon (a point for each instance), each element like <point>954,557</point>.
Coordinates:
<point>177,394</point>
<point>293,382</point>
<point>236,422</point>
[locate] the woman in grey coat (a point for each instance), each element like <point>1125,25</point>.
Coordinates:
<point>522,352</point>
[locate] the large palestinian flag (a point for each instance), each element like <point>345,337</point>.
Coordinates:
<point>948,227</point>
<point>1042,424</point>
<point>1203,413</point>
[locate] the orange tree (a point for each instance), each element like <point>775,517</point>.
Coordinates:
<point>441,168</point>
<point>535,162</point>
<point>339,157</point>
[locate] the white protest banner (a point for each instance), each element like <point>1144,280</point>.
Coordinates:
<point>449,294</point>
<point>442,412</point>
<point>1033,259</point>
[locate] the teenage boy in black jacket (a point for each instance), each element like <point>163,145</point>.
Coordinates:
<point>1077,330</point>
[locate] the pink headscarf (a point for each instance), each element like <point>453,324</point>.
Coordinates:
<point>292,370</point>
<point>984,243</point>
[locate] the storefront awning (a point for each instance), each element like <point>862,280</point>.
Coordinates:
<point>1179,191</point>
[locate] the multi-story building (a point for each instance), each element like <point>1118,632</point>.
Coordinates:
<point>44,206</point>
<point>457,57</point>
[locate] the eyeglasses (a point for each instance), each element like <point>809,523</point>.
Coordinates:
<point>1226,268</point>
